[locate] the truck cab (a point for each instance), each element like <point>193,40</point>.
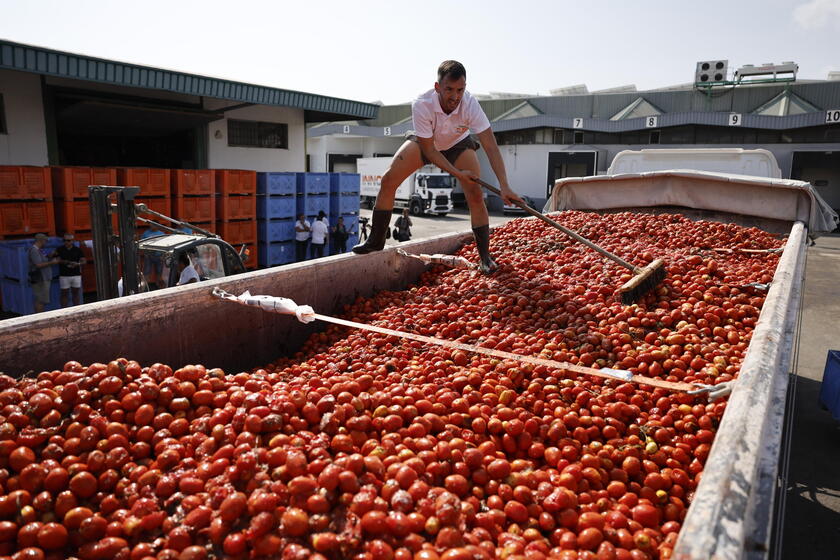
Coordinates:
<point>433,192</point>
<point>211,258</point>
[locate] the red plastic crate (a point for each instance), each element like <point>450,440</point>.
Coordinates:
<point>73,182</point>
<point>193,182</point>
<point>22,182</point>
<point>72,216</point>
<point>152,182</point>
<point>236,181</point>
<point>237,232</point>
<point>27,218</point>
<point>194,208</point>
<point>236,207</point>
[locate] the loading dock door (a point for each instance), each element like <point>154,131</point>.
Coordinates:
<point>97,131</point>
<point>822,170</point>
<point>569,164</point>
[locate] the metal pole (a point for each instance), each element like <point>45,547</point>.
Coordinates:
<point>104,259</point>
<point>128,246</point>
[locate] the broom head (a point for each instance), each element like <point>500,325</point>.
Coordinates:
<point>646,280</point>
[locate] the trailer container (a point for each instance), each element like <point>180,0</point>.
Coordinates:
<point>731,514</point>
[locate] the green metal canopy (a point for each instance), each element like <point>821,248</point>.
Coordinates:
<point>48,62</point>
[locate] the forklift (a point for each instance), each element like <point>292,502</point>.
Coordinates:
<point>211,256</point>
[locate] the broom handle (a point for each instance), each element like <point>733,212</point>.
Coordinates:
<point>561,227</point>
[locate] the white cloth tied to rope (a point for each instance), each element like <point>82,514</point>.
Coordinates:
<point>452,261</point>
<point>272,304</point>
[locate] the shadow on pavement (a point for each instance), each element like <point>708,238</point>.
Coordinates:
<point>812,513</point>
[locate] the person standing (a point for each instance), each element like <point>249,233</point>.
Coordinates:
<point>70,271</point>
<point>153,264</point>
<point>40,272</point>
<point>403,227</point>
<point>302,230</point>
<point>443,118</point>
<point>340,235</point>
<point>320,233</point>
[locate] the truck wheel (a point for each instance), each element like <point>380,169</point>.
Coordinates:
<point>415,208</point>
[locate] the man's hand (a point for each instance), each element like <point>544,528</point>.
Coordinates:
<point>466,177</point>
<point>508,196</point>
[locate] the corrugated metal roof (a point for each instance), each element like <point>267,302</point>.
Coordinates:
<point>39,60</point>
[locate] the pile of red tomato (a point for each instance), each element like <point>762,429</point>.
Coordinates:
<point>366,446</point>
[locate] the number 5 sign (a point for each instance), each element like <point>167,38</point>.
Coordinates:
<point>832,116</point>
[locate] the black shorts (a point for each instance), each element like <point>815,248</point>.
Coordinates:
<point>451,154</point>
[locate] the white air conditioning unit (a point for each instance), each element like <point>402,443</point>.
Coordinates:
<point>710,71</point>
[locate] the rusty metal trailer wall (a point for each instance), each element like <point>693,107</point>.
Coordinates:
<point>187,325</point>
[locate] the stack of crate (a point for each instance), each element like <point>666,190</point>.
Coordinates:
<point>313,195</point>
<point>26,202</point>
<point>26,208</point>
<point>72,209</point>
<point>154,189</point>
<point>344,203</point>
<point>193,193</point>
<point>276,214</point>
<point>236,210</point>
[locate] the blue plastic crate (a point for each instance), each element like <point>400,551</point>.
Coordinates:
<point>269,231</point>
<point>311,204</point>
<point>276,207</point>
<point>277,183</point>
<point>344,204</point>
<point>18,298</point>
<point>830,388</point>
<point>344,183</point>
<point>313,183</point>
<point>273,254</point>
<point>14,256</point>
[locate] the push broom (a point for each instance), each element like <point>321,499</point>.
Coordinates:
<point>644,280</point>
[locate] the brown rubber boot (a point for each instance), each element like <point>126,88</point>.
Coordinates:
<point>378,230</point>
<point>482,243</point>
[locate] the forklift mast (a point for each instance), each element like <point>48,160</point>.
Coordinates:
<point>111,248</point>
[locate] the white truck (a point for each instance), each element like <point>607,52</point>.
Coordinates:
<point>426,191</point>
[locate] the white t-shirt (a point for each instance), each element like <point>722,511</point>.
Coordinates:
<point>301,235</point>
<point>319,232</point>
<point>188,274</point>
<point>430,121</point>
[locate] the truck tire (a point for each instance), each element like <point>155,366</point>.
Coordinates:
<point>415,208</point>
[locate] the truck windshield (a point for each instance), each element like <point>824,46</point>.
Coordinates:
<point>439,182</point>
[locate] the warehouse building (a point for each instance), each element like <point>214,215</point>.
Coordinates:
<point>59,108</point>
<point>574,132</point>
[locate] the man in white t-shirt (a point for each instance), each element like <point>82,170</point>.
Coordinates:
<point>301,237</point>
<point>443,118</point>
<point>320,231</point>
<point>188,273</point>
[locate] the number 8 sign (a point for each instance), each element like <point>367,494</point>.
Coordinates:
<point>651,122</point>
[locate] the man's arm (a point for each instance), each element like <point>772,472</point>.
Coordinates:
<point>491,148</point>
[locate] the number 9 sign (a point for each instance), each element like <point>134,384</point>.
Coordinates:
<point>734,119</point>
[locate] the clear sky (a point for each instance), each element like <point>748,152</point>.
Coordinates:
<point>370,50</point>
